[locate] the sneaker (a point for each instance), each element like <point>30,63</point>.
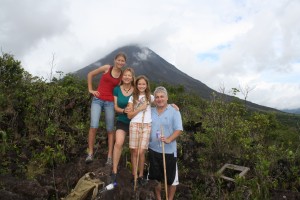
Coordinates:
<point>113,178</point>
<point>142,181</point>
<point>109,161</point>
<point>89,159</point>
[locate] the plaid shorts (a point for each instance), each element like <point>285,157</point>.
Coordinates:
<point>139,134</point>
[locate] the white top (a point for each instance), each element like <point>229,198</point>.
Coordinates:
<point>139,117</point>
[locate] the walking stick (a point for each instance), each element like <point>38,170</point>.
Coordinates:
<point>139,144</point>
<point>164,162</point>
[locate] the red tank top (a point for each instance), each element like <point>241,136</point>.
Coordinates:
<point>106,86</point>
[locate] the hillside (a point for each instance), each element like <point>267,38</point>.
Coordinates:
<point>43,138</point>
<point>295,111</point>
<point>145,61</point>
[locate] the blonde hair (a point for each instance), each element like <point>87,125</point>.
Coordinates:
<point>132,73</point>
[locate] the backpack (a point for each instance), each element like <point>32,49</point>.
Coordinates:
<point>84,186</point>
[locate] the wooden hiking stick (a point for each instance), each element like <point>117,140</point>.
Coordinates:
<point>139,144</point>
<point>164,161</point>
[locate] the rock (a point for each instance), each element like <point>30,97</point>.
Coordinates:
<point>25,188</point>
<point>7,195</point>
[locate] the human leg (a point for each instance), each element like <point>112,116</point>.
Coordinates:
<point>157,191</point>
<point>133,145</point>
<point>172,175</point>
<point>171,191</point>
<point>117,150</point>
<point>144,142</point>
<point>109,120</point>
<point>142,181</point>
<point>110,136</point>
<point>141,163</point>
<point>95,116</point>
<point>143,145</point>
<point>91,140</point>
<point>155,171</point>
<point>133,155</point>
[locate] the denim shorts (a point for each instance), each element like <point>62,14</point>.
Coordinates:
<point>97,107</point>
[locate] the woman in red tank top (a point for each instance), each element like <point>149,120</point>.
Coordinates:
<point>103,100</point>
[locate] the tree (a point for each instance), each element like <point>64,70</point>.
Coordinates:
<point>11,72</point>
<point>11,75</point>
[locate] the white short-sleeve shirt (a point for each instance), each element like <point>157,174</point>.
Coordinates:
<point>139,117</point>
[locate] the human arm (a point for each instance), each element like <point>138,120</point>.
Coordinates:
<point>171,138</point>
<point>93,73</point>
<point>132,113</point>
<point>175,124</point>
<point>175,106</point>
<point>116,107</point>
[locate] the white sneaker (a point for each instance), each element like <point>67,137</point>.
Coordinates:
<point>109,161</point>
<point>89,159</point>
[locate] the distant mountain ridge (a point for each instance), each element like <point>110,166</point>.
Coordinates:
<point>145,61</point>
<point>295,111</point>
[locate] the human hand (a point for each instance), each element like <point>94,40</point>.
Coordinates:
<point>175,106</point>
<point>94,93</point>
<point>165,140</point>
<point>143,106</point>
<point>126,110</point>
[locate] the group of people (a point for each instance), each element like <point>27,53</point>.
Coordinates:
<point>149,127</point>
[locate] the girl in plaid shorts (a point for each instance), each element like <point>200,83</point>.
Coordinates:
<point>140,126</point>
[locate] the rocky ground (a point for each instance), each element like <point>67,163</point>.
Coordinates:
<point>57,183</point>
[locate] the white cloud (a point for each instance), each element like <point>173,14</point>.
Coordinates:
<point>245,42</point>
<point>26,23</point>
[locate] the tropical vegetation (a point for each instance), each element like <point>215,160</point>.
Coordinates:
<point>43,121</point>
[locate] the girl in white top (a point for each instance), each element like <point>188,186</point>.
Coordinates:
<point>139,105</point>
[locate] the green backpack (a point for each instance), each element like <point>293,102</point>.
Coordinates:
<point>84,186</point>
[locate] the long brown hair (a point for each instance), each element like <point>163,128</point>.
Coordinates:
<point>136,92</point>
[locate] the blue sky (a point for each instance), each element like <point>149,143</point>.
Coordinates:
<point>222,43</point>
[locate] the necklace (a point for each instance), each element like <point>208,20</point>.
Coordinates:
<point>126,90</point>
